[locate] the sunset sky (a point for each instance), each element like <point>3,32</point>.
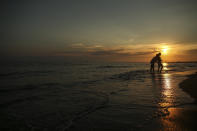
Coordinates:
<point>109,30</point>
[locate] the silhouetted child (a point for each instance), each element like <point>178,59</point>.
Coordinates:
<point>159,61</point>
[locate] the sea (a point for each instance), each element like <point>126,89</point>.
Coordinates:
<point>89,95</point>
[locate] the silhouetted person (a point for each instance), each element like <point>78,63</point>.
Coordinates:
<point>159,61</point>
<point>156,58</point>
<point>152,63</point>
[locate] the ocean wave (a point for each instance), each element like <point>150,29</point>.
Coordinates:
<point>130,75</point>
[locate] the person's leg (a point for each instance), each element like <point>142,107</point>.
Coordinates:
<point>152,67</point>
<point>161,67</point>
<point>158,67</point>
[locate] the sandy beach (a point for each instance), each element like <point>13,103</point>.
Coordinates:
<point>183,118</point>
<point>190,86</point>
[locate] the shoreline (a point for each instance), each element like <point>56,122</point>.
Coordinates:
<point>189,86</point>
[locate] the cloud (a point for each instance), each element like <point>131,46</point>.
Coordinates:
<point>108,52</point>
<point>77,45</point>
<point>95,52</point>
<point>121,52</point>
<point>192,51</point>
<point>144,53</point>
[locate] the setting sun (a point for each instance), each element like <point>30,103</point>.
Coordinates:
<point>165,50</point>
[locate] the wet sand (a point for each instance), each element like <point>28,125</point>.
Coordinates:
<point>190,86</point>
<point>180,119</point>
<point>183,118</point>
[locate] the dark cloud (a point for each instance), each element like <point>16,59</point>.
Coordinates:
<point>192,51</point>
<point>118,52</point>
<point>144,53</point>
<point>95,52</point>
<point>108,52</point>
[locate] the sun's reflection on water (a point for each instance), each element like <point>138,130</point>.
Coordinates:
<point>169,122</point>
<point>166,81</point>
<point>165,66</point>
<point>167,101</point>
<point>166,91</point>
<point>170,116</point>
